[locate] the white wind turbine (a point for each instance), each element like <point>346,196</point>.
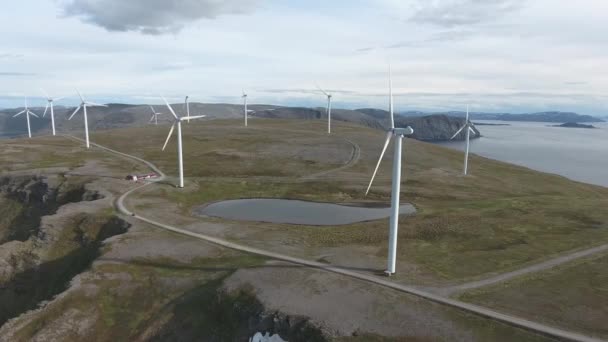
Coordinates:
<point>178,121</point>
<point>328,110</point>
<point>245,112</point>
<point>468,125</point>
<point>49,103</point>
<point>155,115</point>
<point>84,104</point>
<point>27,112</point>
<point>399,134</point>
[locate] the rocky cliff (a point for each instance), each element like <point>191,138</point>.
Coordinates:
<point>42,247</point>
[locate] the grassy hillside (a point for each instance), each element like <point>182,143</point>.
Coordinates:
<point>149,283</point>
<point>499,218</point>
<point>574,296</point>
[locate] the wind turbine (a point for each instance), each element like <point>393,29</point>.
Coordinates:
<point>399,134</point>
<point>49,103</point>
<point>469,129</point>
<point>329,96</point>
<point>178,121</point>
<point>187,105</point>
<point>84,104</point>
<point>154,116</point>
<point>245,112</point>
<point>27,112</point>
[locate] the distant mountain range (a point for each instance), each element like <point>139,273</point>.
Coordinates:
<point>428,128</point>
<point>434,127</point>
<point>555,117</point>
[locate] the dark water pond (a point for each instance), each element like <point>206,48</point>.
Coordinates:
<point>296,212</point>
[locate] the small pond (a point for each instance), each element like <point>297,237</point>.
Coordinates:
<point>296,212</point>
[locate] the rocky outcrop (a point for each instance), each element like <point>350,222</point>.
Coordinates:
<point>40,250</point>
<point>574,125</point>
<point>538,117</point>
<point>435,127</point>
<point>212,314</point>
<point>426,128</point>
<point>37,196</point>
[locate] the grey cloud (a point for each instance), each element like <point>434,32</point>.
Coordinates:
<point>307,91</point>
<point>152,16</point>
<point>575,83</point>
<point>11,56</point>
<point>17,74</point>
<point>453,13</point>
<point>440,37</point>
<point>365,49</point>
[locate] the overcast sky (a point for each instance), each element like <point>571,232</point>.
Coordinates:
<point>497,55</point>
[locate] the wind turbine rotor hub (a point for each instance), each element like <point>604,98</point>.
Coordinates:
<point>403,131</point>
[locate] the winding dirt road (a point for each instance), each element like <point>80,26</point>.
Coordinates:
<point>539,328</point>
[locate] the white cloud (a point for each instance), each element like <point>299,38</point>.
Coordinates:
<point>452,13</point>
<point>492,54</point>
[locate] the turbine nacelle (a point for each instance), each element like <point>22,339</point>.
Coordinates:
<point>177,120</point>
<point>399,134</point>
<point>328,110</point>
<point>83,105</point>
<point>27,112</point>
<point>403,131</point>
<point>155,115</point>
<point>468,126</point>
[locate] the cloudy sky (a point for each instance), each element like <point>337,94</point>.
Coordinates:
<point>497,55</point>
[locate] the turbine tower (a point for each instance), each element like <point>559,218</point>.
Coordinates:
<point>245,112</point>
<point>178,122</point>
<point>49,103</point>
<point>27,112</point>
<point>468,125</point>
<point>155,115</point>
<point>84,104</point>
<point>399,134</point>
<point>329,96</point>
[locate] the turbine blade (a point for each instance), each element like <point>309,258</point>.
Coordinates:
<point>321,89</point>
<point>193,117</point>
<point>32,113</point>
<point>458,132</point>
<point>93,104</point>
<point>58,99</point>
<point>45,109</point>
<point>467,114</point>
<point>76,111</point>
<point>21,112</point>
<point>170,109</point>
<point>152,108</point>
<point>45,94</point>
<point>390,94</point>
<point>388,139</point>
<point>472,130</point>
<point>80,95</point>
<point>151,118</point>
<point>168,136</point>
